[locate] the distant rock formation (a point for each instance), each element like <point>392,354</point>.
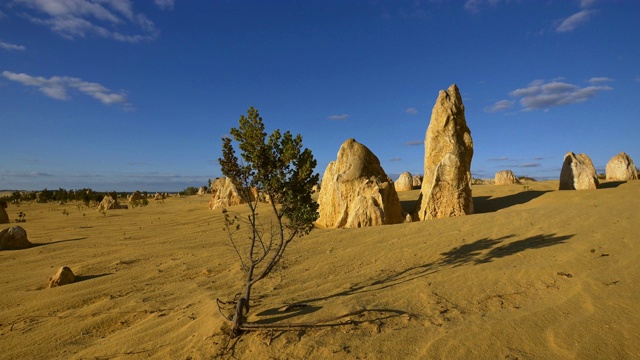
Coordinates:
<point>356,192</point>
<point>14,238</point>
<point>505,177</point>
<point>110,202</point>
<point>4,217</point>
<point>404,182</point>
<point>159,196</point>
<point>446,185</point>
<point>136,196</point>
<point>225,194</point>
<point>621,167</point>
<point>578,173</point>
<point>64,276</point>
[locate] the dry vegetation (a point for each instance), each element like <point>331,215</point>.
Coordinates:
<point>536,273</point>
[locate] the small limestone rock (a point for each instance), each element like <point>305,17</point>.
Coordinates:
<point>578,173</point>
<point>14,238</point>
<point>64,276</point>
<point>505,177</point>
<point>110,202</point>
<point>404,182</point>
<point>621,167</point>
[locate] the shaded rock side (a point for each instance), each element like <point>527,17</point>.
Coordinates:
<point>446,183</point>
<point>64,276</point>
<point>621,167</point>
<point>224,194</point>
<point>4,217</point>
<point>404,182</point>
<point>578,173</point>
<point>14,238</point>
<point>505,177</point>
<point>417,181</point>
<point>356,192</point>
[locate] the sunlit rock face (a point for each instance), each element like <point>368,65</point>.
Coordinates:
<point>356,192</point>
<point>446,183</point>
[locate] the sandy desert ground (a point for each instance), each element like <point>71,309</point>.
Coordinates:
<point>536,273</point>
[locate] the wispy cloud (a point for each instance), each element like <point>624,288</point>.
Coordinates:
<point>411,111</point>
<point>57,87</point>
<point>543,95</point>
<point>501,158</point>
<point>414,143</point>
<point>8,46</point>
<point>395,159</point>
<point>575,20</point>
<point>474,5</point>
<point>165,4</point>
<point>74,19</point>
<point>338,117</point>
<point>529,165</point>
<point>500,106</point>
<point>599,80</point>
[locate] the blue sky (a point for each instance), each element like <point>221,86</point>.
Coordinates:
<point>124,95</point>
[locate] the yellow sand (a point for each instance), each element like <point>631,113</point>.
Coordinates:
<point>536,273</point>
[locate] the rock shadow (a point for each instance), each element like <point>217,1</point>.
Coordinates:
<point>57,242</point>
<point>80,278</point>
<point>610,184</point>
<point>486,204</point>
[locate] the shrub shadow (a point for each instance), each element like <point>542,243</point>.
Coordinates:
<point>479,252</point>
<point>486,204</point>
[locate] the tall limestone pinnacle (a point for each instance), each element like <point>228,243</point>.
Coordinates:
<point>446,187</point>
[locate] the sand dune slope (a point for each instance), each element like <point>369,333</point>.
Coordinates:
<point>536,273</point>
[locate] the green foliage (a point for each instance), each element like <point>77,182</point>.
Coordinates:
<point>21,217</point>
<point>276,167</point>
<point>189,191</point>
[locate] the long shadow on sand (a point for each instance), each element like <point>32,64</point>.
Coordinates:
<point>57,242</point>
<point>611,184</point>
<point>89,277</point>
<point>479,252</point>
<point>485,204</point>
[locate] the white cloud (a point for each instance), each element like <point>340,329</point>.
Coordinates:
<point>338,117</point>
<point>8,46</point>
<point>165,4</point>
<point>57,87</point>
<point>73,19</point>
<point>500,106</point>
<point>411,111</point>
<point>543,95</point>
<point>575,20</point>
<point>599,80</point>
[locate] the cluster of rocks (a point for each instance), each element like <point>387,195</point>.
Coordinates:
<point>578,172</point>
<point>356,192</point>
